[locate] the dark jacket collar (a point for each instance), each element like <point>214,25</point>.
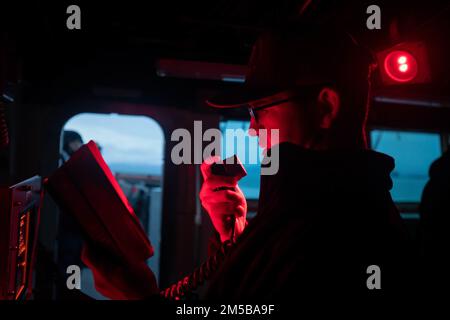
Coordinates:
<point>309,177</point>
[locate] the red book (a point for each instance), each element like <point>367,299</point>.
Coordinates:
<point>86,188</point>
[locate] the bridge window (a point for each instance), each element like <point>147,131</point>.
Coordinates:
<point>248,152</point>
<point>133,147</point>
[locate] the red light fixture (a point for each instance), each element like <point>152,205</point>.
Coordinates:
<point>404,64</point>
<point>400,66</point>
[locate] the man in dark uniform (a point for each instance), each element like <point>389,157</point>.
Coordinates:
<point>327,215</point>
<point>435,223</point>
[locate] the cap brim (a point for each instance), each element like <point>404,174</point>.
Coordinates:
<point>239,98</point>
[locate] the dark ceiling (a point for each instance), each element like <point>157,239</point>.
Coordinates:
<point>122,40</point>
<point>215,30</point>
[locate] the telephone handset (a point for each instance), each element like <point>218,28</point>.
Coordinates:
<point>230,167</point>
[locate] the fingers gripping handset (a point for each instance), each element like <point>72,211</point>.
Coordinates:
<point>226,205</point>
<point>221,196</point>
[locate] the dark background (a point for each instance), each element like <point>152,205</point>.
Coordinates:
<point>54,73</point>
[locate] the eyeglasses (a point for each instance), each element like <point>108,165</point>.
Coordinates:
<point>270,101</point>
<point>253,110</point>
<point>280,98</point>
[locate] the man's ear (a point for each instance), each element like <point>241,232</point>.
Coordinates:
<point>328,104</point>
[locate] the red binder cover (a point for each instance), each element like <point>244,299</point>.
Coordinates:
<point>86,188</point>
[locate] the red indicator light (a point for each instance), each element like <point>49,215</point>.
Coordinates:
<point>401,60</point>
<point>400,66</point>
<point>403,67</point>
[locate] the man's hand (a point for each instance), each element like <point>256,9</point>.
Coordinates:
<point>116,279</point>
<point>224,207</point>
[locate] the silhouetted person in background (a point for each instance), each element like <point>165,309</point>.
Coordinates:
<point>435,225</point>
<point>70,239</point>
<point>72,141</point>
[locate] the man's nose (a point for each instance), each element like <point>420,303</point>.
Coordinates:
<point>253,130</point>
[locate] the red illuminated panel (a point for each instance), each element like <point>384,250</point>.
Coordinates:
<point>19,222</point>
<point>22,256</point>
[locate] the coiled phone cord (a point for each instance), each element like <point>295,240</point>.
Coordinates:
<point>197,278</point>
<point>209,267</point>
